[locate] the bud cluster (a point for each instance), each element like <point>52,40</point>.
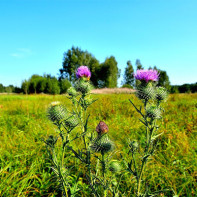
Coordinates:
<point>148,91</point>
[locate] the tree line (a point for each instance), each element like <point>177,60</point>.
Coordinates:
<point>104,74</point>
<point>185,88</point>
<point>45,84</point>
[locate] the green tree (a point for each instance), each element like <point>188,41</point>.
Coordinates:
<point>2,89</point>
<point>41,84</point>
<point>109,73</point>
<point>129,74</point>
<point>52,85</point>
<point>138,64</point>
<point>76,57</point>
<point>33,82</point>
<point>163,79</point>
<point>64,85</point>
<point>174,89</point>
<point>25,86</point>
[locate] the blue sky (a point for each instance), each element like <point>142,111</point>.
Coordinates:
<point>34,34</point>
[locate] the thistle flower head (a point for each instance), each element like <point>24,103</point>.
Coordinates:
<point>153,112</point>
<point>161,93</point>
<point>114,166</point>
<point>102,144</point>
<point>147,75</point>
<point>83,71</point>
<point>102,128</point>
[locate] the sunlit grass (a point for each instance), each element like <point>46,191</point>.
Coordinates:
<point>24,168</point>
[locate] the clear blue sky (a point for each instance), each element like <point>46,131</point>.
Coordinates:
<point>34,34</point>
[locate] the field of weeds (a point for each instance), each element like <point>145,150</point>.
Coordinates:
<point>24,165</point>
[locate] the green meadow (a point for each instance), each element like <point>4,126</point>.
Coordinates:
<point>25,168</point>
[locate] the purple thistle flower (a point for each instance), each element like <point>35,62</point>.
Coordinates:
<point>83,71</point>
<point>147,75</point>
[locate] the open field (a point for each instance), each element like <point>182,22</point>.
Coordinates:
<point>24,168</point>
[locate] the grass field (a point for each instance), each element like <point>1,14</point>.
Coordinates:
<point>24,168</point>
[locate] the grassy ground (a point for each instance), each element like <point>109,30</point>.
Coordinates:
<point>24,168</point>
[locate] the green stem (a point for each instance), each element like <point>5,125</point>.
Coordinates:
<point>103,164</point>
<point>139,178</point>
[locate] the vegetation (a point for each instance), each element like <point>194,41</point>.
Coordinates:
<point>103,75</point>
<point>45,84</point>
<point>25,168</point>
<point>185,88</point>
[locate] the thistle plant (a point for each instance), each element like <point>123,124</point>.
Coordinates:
<point>92,148</point>
<point>151,97</point>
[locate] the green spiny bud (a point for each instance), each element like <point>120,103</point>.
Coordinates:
<point>59,115</point>
<point>114,166</point>
<point>153,112</point>
<point>83,86</point>
<point>56,112</point>
<point>133,146</point>
<point>71,122</point>
<point>146,92</point>
<point>161,93</point>
<point>102,144</point>
<point>72,92</point>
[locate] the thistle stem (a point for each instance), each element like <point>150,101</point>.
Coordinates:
<point>103,164</point>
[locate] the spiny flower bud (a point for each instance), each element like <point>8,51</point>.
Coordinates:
<point>161,93</point>
<point>102,144</point>
<point>71,122</point>
<point>146,92</point>
<point>133,146</point>
<point>59,115</point>
<point>56,112</point>
<point>83,86</point>
<point>153,112</point>
<point>102,128</point>
<point>114,166</point>
<point>72,92</point>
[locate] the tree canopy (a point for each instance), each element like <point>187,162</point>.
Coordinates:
<point>44,84</point>
<point>103,75</point>
<point>129,75</point>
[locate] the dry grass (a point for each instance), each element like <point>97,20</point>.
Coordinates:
<point>113,91</point>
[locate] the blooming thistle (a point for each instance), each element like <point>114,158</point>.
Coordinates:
<point>147,75</point>
<point>83,71</point>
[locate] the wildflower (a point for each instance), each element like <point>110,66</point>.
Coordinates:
<point>147,75</point>
<point>102,128</point>
<point>83,71</point>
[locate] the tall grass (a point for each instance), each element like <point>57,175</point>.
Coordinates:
<point>24,167</point>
